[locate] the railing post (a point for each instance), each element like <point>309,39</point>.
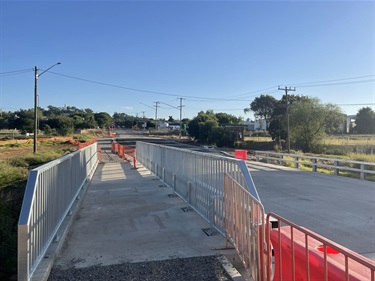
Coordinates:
<point>189,192</point>
<point>211,214</point>
<point>314,164</point>
<point>23,253</point>
<point>296,164</point>
<point>336,170</point>
<point>174,181</point>
<point>363,171</point>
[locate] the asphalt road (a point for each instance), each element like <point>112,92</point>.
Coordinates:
<point>339,208</point>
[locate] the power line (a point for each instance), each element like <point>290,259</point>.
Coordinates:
<point>231,98</point>
<point>334,80</point>
<point>15,72</point>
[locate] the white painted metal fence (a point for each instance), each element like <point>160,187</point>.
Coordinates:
<point>50,192</point>
<point>336,165</point>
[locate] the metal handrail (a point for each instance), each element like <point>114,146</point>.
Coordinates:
<point>50,193</point>
<point>198,178</point>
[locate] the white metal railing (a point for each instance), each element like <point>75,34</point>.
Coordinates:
<point>50,192</point>
<point>198,178</point>
<point>336,165</point>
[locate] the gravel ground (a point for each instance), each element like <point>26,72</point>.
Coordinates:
<point>186,269</point>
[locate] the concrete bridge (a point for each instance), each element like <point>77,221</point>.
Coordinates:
<point>128,216</point>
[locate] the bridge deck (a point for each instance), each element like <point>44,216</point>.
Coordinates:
<point>127,217</point>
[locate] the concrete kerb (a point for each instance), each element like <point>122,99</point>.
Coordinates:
<point>44,268</point>
<point>230,269</point>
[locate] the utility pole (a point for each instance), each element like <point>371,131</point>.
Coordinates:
<point>156,113</point>
<point>35,108</point>
<point>181,116</point>
<point>286,89</point>
<point>36,76</point>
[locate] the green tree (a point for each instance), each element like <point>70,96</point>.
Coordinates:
<point>365,121</point>
<point>46,129</point>
<point>64,125</point>
<point>310,121</point>
<point>24,120</point>
<point>222,137</point>
<point>262,107</point>
<point>103,119</point>
<point>278,124</point>
<point>197,124</point>
<point>225,119</point>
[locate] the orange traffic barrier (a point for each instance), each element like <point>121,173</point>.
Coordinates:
<point>240,154</point>
<point>301,254</point>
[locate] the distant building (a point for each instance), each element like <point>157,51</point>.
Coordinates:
<point>257,125</point>
<point>174,126</point>
<point>162,125</point>
<point>349,124</point>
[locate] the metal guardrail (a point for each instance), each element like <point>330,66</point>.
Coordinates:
<point>336,165</point>
<point>198,178</point>
<point>244,227</point>
<point>50,192</point>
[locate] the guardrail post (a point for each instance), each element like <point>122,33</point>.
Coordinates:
<point>281,161</point>
<point>296,159</point>
<point>314,164</point>
<point>363,171</point>
<point>336,171</point>
<point>211,212</point>
<point>163,174</point>
<point>267,157</point>
<point>257,156</point>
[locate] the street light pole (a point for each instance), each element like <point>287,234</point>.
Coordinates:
<point>36,102</point>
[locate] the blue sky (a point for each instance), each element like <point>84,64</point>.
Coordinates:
<point>122,56</point>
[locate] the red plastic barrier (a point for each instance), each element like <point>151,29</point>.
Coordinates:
<point>240,154</point>
<point>291,252</point>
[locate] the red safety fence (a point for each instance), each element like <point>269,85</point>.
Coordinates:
<point>82,144</point>
<point>125,152</point>
<point>301,254</point>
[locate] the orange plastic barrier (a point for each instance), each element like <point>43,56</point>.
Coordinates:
<point>299,256</point>
<point>84,144</point>
<point>125,152</point>
<point>240,154</point>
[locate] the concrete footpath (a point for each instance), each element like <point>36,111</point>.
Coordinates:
<point>128,215</point>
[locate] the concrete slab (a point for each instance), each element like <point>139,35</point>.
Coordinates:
<point>127,217</point>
